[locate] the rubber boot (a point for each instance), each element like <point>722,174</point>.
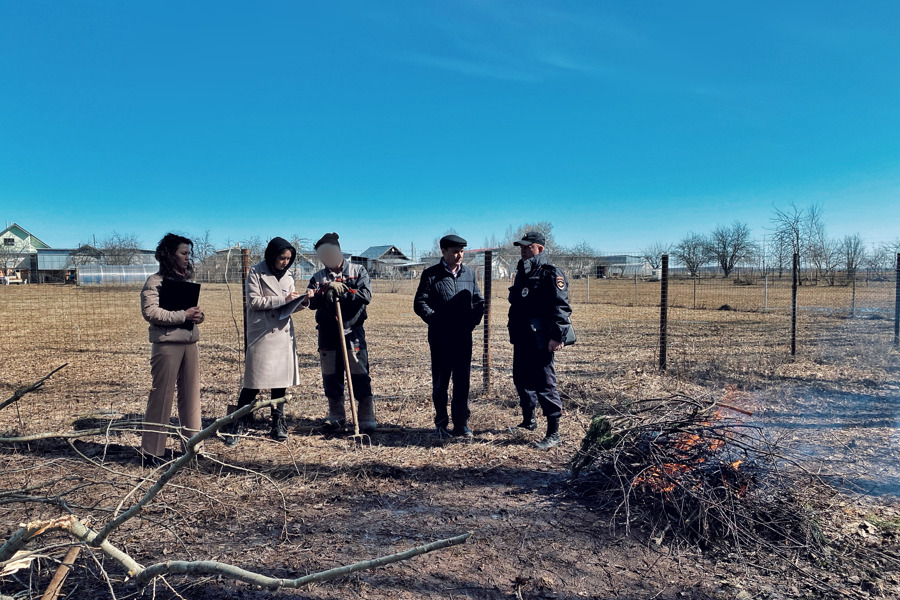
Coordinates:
<point>528,420</point>
<point>552,437</point>
<point>336,416</point>
<point>279,429</point>
<point>366,409</point>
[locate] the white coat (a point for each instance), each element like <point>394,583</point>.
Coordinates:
<point>271,360</point>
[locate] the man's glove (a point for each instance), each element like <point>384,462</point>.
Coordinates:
<point>339,287</point>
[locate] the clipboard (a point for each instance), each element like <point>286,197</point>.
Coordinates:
<point>179,295</point>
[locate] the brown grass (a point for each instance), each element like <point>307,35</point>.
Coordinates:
<point>318,501</point>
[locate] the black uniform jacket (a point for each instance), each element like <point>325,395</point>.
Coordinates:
<point>447,303</point>
<point>538,302</point>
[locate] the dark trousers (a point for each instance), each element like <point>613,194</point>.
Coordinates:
<point>331,361</point>
<point>248,396</point>
<point>535,379</point>
<point>451,359</point>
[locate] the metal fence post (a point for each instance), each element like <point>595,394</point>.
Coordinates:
<point>853,296</point>
<point>245,270</point>
<point>486,357</point>
<point>795,279</point>
<point>588,278</point>
<point>663,311</point>
<point>897,303</point>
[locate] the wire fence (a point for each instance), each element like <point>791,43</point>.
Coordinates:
<point>714,326</point>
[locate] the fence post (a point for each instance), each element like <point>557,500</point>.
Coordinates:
<point>245,269</point>
<point>486,357</point>
<point>794,280</point>
<point>663,311</point>
<point>766,291</point>
<point>588,278</point>
<point>695,291</point>
<point>853,297</point>
<point>897,303</point>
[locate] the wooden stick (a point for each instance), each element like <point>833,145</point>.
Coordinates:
<point>735,409</point>
<point>17,395</point>
<point>60,576</point>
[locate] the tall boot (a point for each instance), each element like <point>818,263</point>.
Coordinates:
<point>279,429</point>
<point>238,427</point>
<point>528,420</point>
<point>552,437</point>
<point>366,409</point>
<point>336,416</point>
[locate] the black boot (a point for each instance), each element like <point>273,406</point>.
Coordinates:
<point>528,420</point>
<point>236,430</point>
<point>279,429</point>
<point>552,437</point>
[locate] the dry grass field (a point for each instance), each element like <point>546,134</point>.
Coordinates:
<point>318,501</point>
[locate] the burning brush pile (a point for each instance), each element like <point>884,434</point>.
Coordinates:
<point>692,470</point>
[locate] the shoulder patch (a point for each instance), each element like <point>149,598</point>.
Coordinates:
<point>561,282</point>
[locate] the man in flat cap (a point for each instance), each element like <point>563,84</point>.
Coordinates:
<point>539,325</point>
<point>448,299</point>
<point>347,283</point>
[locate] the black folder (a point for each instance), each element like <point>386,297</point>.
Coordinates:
<point>179,295</point>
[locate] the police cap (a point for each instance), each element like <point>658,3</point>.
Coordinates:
<point>532,237</point>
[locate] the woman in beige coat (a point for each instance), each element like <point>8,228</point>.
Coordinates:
<point>174,359</point>
<point>271,361</point>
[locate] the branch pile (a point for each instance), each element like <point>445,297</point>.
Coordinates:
<point>680,465</point>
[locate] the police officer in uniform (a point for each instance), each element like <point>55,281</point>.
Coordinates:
<point>539,321</point>
<point>448,299</point>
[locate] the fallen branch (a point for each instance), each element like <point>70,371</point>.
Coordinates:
<point>142,574</point>
<point>190,453</point>
<point>211,567</point>
<point>17,395</point>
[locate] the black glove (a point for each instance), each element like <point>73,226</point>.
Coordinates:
<point>332,296</point>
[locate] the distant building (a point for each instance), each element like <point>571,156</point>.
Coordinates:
<point>17,249</point>
<point>625,266</point>
<point>387,262</point>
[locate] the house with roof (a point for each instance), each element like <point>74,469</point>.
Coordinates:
<point>387,262</point>
<point>18,248</point>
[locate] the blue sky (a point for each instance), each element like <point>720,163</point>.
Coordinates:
<point>622,123</point>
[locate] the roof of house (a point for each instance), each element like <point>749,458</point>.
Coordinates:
<point>26,234</point>
<point>376,252</point>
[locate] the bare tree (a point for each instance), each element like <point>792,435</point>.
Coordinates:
<point>730,245</point>
<point>577,261</point>
<point>693,252</point>
<point>85,254</point>
<point>788,229</point>
<point>203,246</point>
<point>256,248</point>
<point>853,253</point>
<point>653,253</point>
<point>120,249</point>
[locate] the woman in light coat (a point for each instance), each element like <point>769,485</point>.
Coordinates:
<point>174,359</point>
<point>271,360</point>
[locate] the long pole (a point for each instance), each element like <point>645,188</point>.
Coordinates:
<point>245,270</point>
<point>340,324</point>
<point>486,356</point>
<point>663,311</point>
<point>794,281</point>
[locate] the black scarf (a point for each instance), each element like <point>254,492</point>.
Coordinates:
<point>274,250</point>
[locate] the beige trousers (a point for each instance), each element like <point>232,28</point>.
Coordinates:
<point>172,365</point>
